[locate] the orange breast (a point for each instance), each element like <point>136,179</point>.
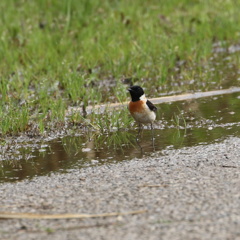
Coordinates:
<point>136,106</point>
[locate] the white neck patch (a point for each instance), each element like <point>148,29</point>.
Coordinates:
<point>143,97</point>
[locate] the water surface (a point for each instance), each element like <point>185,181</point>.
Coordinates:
<point>180,124</point>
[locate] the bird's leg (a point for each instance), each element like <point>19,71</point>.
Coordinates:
<point>153,139</point>
<point>138,137</point>
<point>139,131</point>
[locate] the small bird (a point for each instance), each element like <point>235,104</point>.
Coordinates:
<point>142,110</point>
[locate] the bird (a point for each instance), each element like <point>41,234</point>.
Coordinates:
<point>141,109</point>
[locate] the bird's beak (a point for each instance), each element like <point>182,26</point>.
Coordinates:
<point>129,89</point>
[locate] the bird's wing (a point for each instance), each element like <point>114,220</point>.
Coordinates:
<point>151,106</point>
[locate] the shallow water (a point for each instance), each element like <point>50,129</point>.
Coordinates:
<point>179,124</point>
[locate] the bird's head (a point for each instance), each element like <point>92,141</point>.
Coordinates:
<point>137,93</point>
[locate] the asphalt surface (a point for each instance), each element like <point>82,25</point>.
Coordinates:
<point>190,193</point>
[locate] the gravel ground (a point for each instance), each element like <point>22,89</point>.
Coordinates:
<point>191,193</point>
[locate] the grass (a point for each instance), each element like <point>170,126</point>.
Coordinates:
<point>76,53</point>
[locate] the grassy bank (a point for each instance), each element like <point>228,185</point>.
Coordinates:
<point>56,54</point>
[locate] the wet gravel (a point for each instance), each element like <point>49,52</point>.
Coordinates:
<point>190,193</point>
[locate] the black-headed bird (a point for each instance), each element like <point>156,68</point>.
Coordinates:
<point>142,110</point>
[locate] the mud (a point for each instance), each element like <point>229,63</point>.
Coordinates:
<point>189,193</point>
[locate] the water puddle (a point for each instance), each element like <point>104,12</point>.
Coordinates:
<point>180,124</point>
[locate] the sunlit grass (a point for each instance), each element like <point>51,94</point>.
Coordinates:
<point>78,52</point>
<point>14,119</point>
<point>110,121</point>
